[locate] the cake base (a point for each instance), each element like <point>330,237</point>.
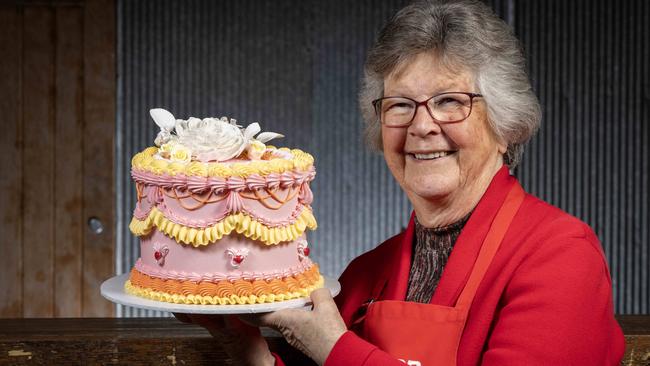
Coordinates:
<point>113,290</point>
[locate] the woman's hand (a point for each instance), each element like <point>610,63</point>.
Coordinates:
<point>242,342</point>
<point>314,332</point>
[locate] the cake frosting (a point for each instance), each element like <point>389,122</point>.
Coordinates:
<point>221,216</point>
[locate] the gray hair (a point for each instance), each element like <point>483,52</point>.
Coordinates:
<point>464,34</point>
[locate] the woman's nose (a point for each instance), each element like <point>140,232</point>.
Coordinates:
<point>423,123</point>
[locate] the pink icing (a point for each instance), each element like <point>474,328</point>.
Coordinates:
<point>211,262</point>
<point>305,265</point>
<point>234,202</point>
<point>305,194</point>
<point>236,183</point>
<point>143,207</point>
<point>254,182</point>
<point>197,184</point>
<point>273,180</point>
<point>217,184</point>
<point>230,196</point>
<point>212,213</point>
<point>200,184</point>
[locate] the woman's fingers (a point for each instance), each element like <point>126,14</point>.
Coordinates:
<point>312,332</point>
<point>323,301</point>
<point>276,319</point>
<point>320,295</point>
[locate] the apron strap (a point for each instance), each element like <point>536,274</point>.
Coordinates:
<point>491,244</point>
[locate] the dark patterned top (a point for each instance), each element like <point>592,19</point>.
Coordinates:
<point>431,249</point>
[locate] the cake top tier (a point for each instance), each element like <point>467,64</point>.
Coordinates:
<point>212,147</point>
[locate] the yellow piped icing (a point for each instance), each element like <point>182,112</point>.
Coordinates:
<point>145,161</point>
<point>215,300</point>
<point>239,222</point>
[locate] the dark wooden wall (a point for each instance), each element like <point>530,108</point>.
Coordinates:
<point>57,101</point>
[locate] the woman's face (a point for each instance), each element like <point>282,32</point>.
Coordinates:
<point>471,152</point>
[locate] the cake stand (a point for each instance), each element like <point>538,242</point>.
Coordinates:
<point>113,290</point>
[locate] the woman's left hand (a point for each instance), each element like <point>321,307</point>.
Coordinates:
<point>314,332</point>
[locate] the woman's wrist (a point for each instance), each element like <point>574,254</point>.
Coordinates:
<point>329,342</point>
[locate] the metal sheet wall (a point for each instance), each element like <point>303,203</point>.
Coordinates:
<point>295,66</point>
<point>588,62</point>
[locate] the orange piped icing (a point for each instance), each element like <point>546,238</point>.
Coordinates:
<point>243,288</point>
<point>203,289</point>
<point>260,287</point>
<point>225,292</point>
<point>292,284</point>
<point>223,289</point>
<point>278,287</point>
<point>188,288</point>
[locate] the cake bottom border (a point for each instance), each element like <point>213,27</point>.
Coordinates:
<point>216,300</point>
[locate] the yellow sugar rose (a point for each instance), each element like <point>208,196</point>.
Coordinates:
<point>166,150</point>
<point>255,149</point>
<point>181,154</point>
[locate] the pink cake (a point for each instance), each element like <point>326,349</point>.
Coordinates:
<point>221,216</point>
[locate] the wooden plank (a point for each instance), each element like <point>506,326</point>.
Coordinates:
<point>99,128</point>
<point>49,2</point>
<point>167,341</point>
<point>68,178</point>
<point>38,127</point>
<point>119,341</point>
<point>11,163</point>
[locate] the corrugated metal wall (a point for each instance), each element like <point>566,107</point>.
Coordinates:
<point>295,67</point>
<point>589,65</point>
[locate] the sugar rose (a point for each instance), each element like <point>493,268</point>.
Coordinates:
<point>207,139</point>
<point>181,154</point>
<point>211,139</point>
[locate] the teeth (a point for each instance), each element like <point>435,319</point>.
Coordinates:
<point>431,155</point>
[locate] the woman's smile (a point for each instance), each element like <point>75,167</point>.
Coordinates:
<point>426,156</point>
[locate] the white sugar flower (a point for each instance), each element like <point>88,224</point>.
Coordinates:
<point>209,139</point>
<point>166,122</point>
<point>212,140</point>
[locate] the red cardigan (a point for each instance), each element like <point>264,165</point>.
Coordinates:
<point>545,300</point>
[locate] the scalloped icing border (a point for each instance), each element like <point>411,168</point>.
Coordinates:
<point>239,222</point>
<point>144,161</point>
<point>215,300</point>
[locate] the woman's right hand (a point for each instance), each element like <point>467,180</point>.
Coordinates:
<point>243,343</point>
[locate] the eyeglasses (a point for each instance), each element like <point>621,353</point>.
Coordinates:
<point>443,108</point>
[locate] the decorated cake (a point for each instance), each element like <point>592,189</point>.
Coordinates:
<point>221,216</point>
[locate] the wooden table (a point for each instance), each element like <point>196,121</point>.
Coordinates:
<point>165,341</point>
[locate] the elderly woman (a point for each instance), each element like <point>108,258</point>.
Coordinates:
<point>484,273</point>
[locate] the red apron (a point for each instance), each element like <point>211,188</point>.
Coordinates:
<point>394,326</point>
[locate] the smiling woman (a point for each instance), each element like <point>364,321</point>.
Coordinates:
<point>485,273</point>
<point>443,166</point>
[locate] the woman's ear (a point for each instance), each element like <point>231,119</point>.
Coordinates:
<point>502,147</point>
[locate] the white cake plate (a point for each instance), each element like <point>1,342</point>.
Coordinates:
<point>113,290</point>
